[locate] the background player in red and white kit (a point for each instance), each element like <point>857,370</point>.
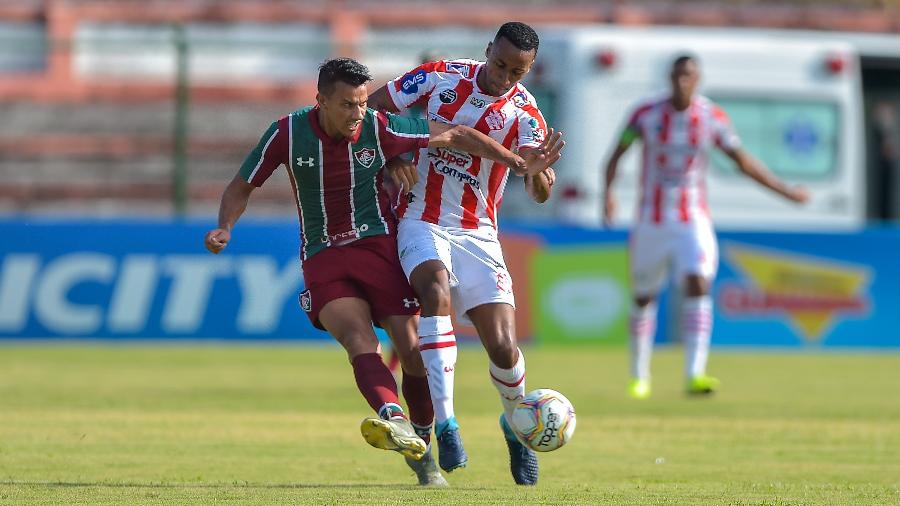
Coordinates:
<point>673,228</point>
<point>448,228</point>
<point>334,154</point>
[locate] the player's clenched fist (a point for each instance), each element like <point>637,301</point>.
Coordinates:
<point>217,239</point>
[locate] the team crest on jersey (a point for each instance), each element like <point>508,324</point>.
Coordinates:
<point>410,82</point>
<point>459,68</point>
<point>306,301</point>
<point>519,99</point>
<point>448,96</point>
<point>365,157</point>
<point>495,120</point>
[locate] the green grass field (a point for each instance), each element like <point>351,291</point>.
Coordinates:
<point>277,425</point>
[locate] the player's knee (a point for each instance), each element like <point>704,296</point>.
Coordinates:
<point>357,341</point>
<point>435,298</point>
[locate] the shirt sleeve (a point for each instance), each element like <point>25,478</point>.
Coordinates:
<point>269,154</point>
<point>532,126</point>
<point>398,134</point>
<point>724,135</point>
<point>416,85</point>
<point>632,130</point>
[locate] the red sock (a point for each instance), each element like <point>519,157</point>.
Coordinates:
<point>377,385</point>
<point>418,400</point>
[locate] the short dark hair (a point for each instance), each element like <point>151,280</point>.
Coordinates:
<point>520,35</point>
<point>683,58</point>
<point>346,70</point>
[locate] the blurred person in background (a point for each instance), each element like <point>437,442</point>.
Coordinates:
<point>335,153</point>
<point>673,229</point>
<point>884,125</point>
<point>448,240</point>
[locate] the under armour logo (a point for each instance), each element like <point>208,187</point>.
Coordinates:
<point>410,303</point>
<point>308,162</point>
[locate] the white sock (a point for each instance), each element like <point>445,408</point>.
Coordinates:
<point>437,343</point>
<point>510,383</point>
<point>643,330</point>
<point>696,328</point>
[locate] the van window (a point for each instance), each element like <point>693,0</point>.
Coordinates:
<point>796,139</point>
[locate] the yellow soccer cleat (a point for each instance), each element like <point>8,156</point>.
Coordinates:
<point>702,385</point>
<point>395,434</point>
<point>639,389</point>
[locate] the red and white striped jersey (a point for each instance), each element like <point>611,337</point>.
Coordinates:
<point>676,146</point>
<point>456,189</point>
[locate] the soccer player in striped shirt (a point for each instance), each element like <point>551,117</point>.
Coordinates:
<point>334,154</point>
<point>448,228</point>
<point>673,227</point>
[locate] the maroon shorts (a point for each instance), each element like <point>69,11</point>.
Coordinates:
<point>367,269</point>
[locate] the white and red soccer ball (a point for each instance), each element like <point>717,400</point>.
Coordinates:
<point>544,420</point>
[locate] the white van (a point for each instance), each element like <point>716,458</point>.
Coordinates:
<point>796,104</point>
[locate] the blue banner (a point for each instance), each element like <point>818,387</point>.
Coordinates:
<point>149,280</point>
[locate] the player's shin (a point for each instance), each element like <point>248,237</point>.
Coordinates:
<point>696,328</point>
<point>377,385</point>
<point>437,343</point>
<point>643,329</point>
<point>418,399</point>
<point>510,383</point>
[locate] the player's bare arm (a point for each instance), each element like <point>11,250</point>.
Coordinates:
<point>380,100</point>
<point>540,186</point>
<point>612,167</point>
<point>403,172</point>
<point>234,202</point>
<point>753,168</point>
<point>474,142</point>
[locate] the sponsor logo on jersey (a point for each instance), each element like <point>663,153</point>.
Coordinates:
<point>454,164</point>
<point>410,303</point>
<point>410,82</point>
<point>477,102</point>
<point>811,293</point>
<point>347,236</point>
<point>448,96</point>
<point>306,301</point>
<point>365,157</point>
<point>308,162</point>
<point>519,99</point>
<point>459,68</point>
<point>495,120</point>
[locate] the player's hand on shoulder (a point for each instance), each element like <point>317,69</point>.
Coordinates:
<point>404,173</point>
<point>217,239</point>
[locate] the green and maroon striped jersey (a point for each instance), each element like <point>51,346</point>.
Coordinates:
<point>337,183</point>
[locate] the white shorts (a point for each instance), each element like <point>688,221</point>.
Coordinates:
<point>683,249</point>
<point>474,259</point>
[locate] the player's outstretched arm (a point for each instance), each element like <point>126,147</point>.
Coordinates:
<point>474,142</point>
<point>234,202</point>
<point>380,100</point>
<point>609,176</point>
<point>759,173</point>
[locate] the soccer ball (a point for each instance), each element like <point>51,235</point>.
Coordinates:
<point>544,420</point>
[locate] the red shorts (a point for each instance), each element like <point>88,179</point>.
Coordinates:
<point>367,269</point>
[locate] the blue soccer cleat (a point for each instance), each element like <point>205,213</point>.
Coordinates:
<point>451,454</point>
<point>523,463</point>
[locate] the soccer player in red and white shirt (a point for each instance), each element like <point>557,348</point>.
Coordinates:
<point>335,154</point>
<point>673,227</point>
<point>448,229</point>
